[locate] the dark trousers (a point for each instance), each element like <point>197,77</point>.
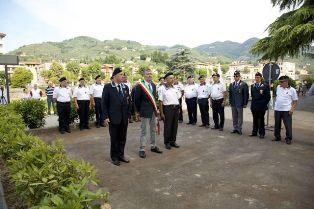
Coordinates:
<point>171,113</point>
<point>218,113</point>
<point>83,112</point>
<point>180,110</point>
<point>204,108</point>
<point>98,111</point>
<point>287,121</point>
<point>51,103</point>
<point>192,109</point>
<point>64,109</point>
<point>118,134</point>
<point>258,122</point>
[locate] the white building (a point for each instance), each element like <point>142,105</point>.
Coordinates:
<point>287,68</point>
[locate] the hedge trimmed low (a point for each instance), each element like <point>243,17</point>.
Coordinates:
<point>43,174</point>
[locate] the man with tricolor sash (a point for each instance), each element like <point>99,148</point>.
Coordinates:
<point>146,105</point>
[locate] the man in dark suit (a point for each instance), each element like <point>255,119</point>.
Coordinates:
<point>260,93</point>
<point>238,98</point>
<point>145,101</point>
<point>115,106</point>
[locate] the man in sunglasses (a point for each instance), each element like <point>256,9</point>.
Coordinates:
<point>285,105</point>
<point>238,98</point>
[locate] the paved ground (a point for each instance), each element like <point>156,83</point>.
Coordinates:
<point>212,169</point>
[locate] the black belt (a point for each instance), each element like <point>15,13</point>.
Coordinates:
<point>63,102</point>
<point>217,99</point>
<point>171,106</point>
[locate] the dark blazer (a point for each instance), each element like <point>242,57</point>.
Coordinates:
<point>142,103</point>
<point>113,107</point>
<point>260,96</point>
<point>238,95</point>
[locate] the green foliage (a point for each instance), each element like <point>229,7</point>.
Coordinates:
<point>143,57</point>
<point>111,59</point>
<point>200,72</point>
<point>21,77</point>
<point>74,67</point>
<point>91,71</point>
<point>181,62</point>
<point>142,68</point>
<point>291,34</point>
<point>224,68</point>
<point>56,69</point>
<point>159,57</point>
<point>2,77</point>
<point>71,76</point>
<point>32,111</point>
<point>43,175</point>
<point>309,81</point>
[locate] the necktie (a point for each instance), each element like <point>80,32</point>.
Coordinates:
<point>150,87</point>
<point>120,92</point>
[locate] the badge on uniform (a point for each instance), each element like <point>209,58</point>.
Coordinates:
<point>261,91</point>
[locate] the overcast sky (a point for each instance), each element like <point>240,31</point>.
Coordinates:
<point>154,22</point>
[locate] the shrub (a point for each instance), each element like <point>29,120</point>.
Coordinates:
<point>32,112</point>
<point>21,77</point>
<point>43,175</point>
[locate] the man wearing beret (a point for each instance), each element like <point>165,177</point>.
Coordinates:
<point>96,94</point>
<point>81,96</point>
<point>238,98</point>
<point>62,95</point>
<point>285,105</point>
<point>169,110</point>
<point>260,93</point>
<point>203,92</point>
<point>115,105</point>
<point>190,93</point>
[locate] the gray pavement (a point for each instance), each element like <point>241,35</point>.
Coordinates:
<point>210,170</point>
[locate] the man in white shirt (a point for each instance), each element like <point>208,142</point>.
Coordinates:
<point>217,102</point>
<point>81,96</point>
<point>96,93</point>
<point>169,106</point>
<point>180,88</point>
<point>190,92</point>
<point>62,95</point>
<point>203,92</point>
<point>285,105</point>
<point>36,93</point>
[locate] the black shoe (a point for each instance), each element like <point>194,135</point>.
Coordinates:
<point>156,149</point>
<point>276,139</point>
<point>69,131</point>
<point>102,125</point>
<point>116,162</point>
<point>207,126</point>
<point>61,132</point>
<point>174,145</point>
<point>81,128</point>
<point>288,141</point>
<point>180,121</point>
<point>142,154</point>
<point>240,132</point>
<point>202,125</point>
<point>123,159</point>
<point>167,146</point>
<point>214,128</point>
<point>194,123</point>
<point>189,123</point>
<point>221,129</point>
<point>234,132</point>
<point>97,126</point>
<point>87,127</point>
<point>251,135</point>
<point>261,136</point>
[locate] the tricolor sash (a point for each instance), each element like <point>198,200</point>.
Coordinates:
<point>149,94</point>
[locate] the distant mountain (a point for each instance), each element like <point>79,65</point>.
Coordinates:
<point>233,50</point>
<point>87,48</point>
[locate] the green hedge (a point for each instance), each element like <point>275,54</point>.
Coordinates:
<point>32,111</point>
<point>43,175</point>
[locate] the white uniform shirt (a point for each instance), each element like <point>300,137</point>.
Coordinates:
<point>96,90</point>
<point>36,93</point>
<point>179,86</point>
<point>190,91</point>
<point>81,93</point>
<point>62,94</point>
<point>169,95</point>
<point>284,98</point>
<point>203,91</point>
<point>159,87</point>
<point>128,84</point>
<point>217,91</point>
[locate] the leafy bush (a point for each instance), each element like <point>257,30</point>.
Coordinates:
<point>43,175</point>
<point>32,112</point>
<point>21,77</point>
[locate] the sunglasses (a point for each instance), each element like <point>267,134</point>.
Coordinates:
<point>236,76</point>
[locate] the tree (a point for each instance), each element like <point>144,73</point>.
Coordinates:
<point>2,78</point>
<point>142,68</point>
<point>112,59</point>
<point>291,34</point>
<point>143,57</point>
<point>159,57</point>
<point>74,67</point>
<point>181,63</point>
<point>21,77</point>
<point>56,69</point>
<point>91,71</point>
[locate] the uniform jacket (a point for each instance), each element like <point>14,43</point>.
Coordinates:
<point>260,96</point>
<point>113,107</point>
<point>238,95</point>
<point>142,103</point>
